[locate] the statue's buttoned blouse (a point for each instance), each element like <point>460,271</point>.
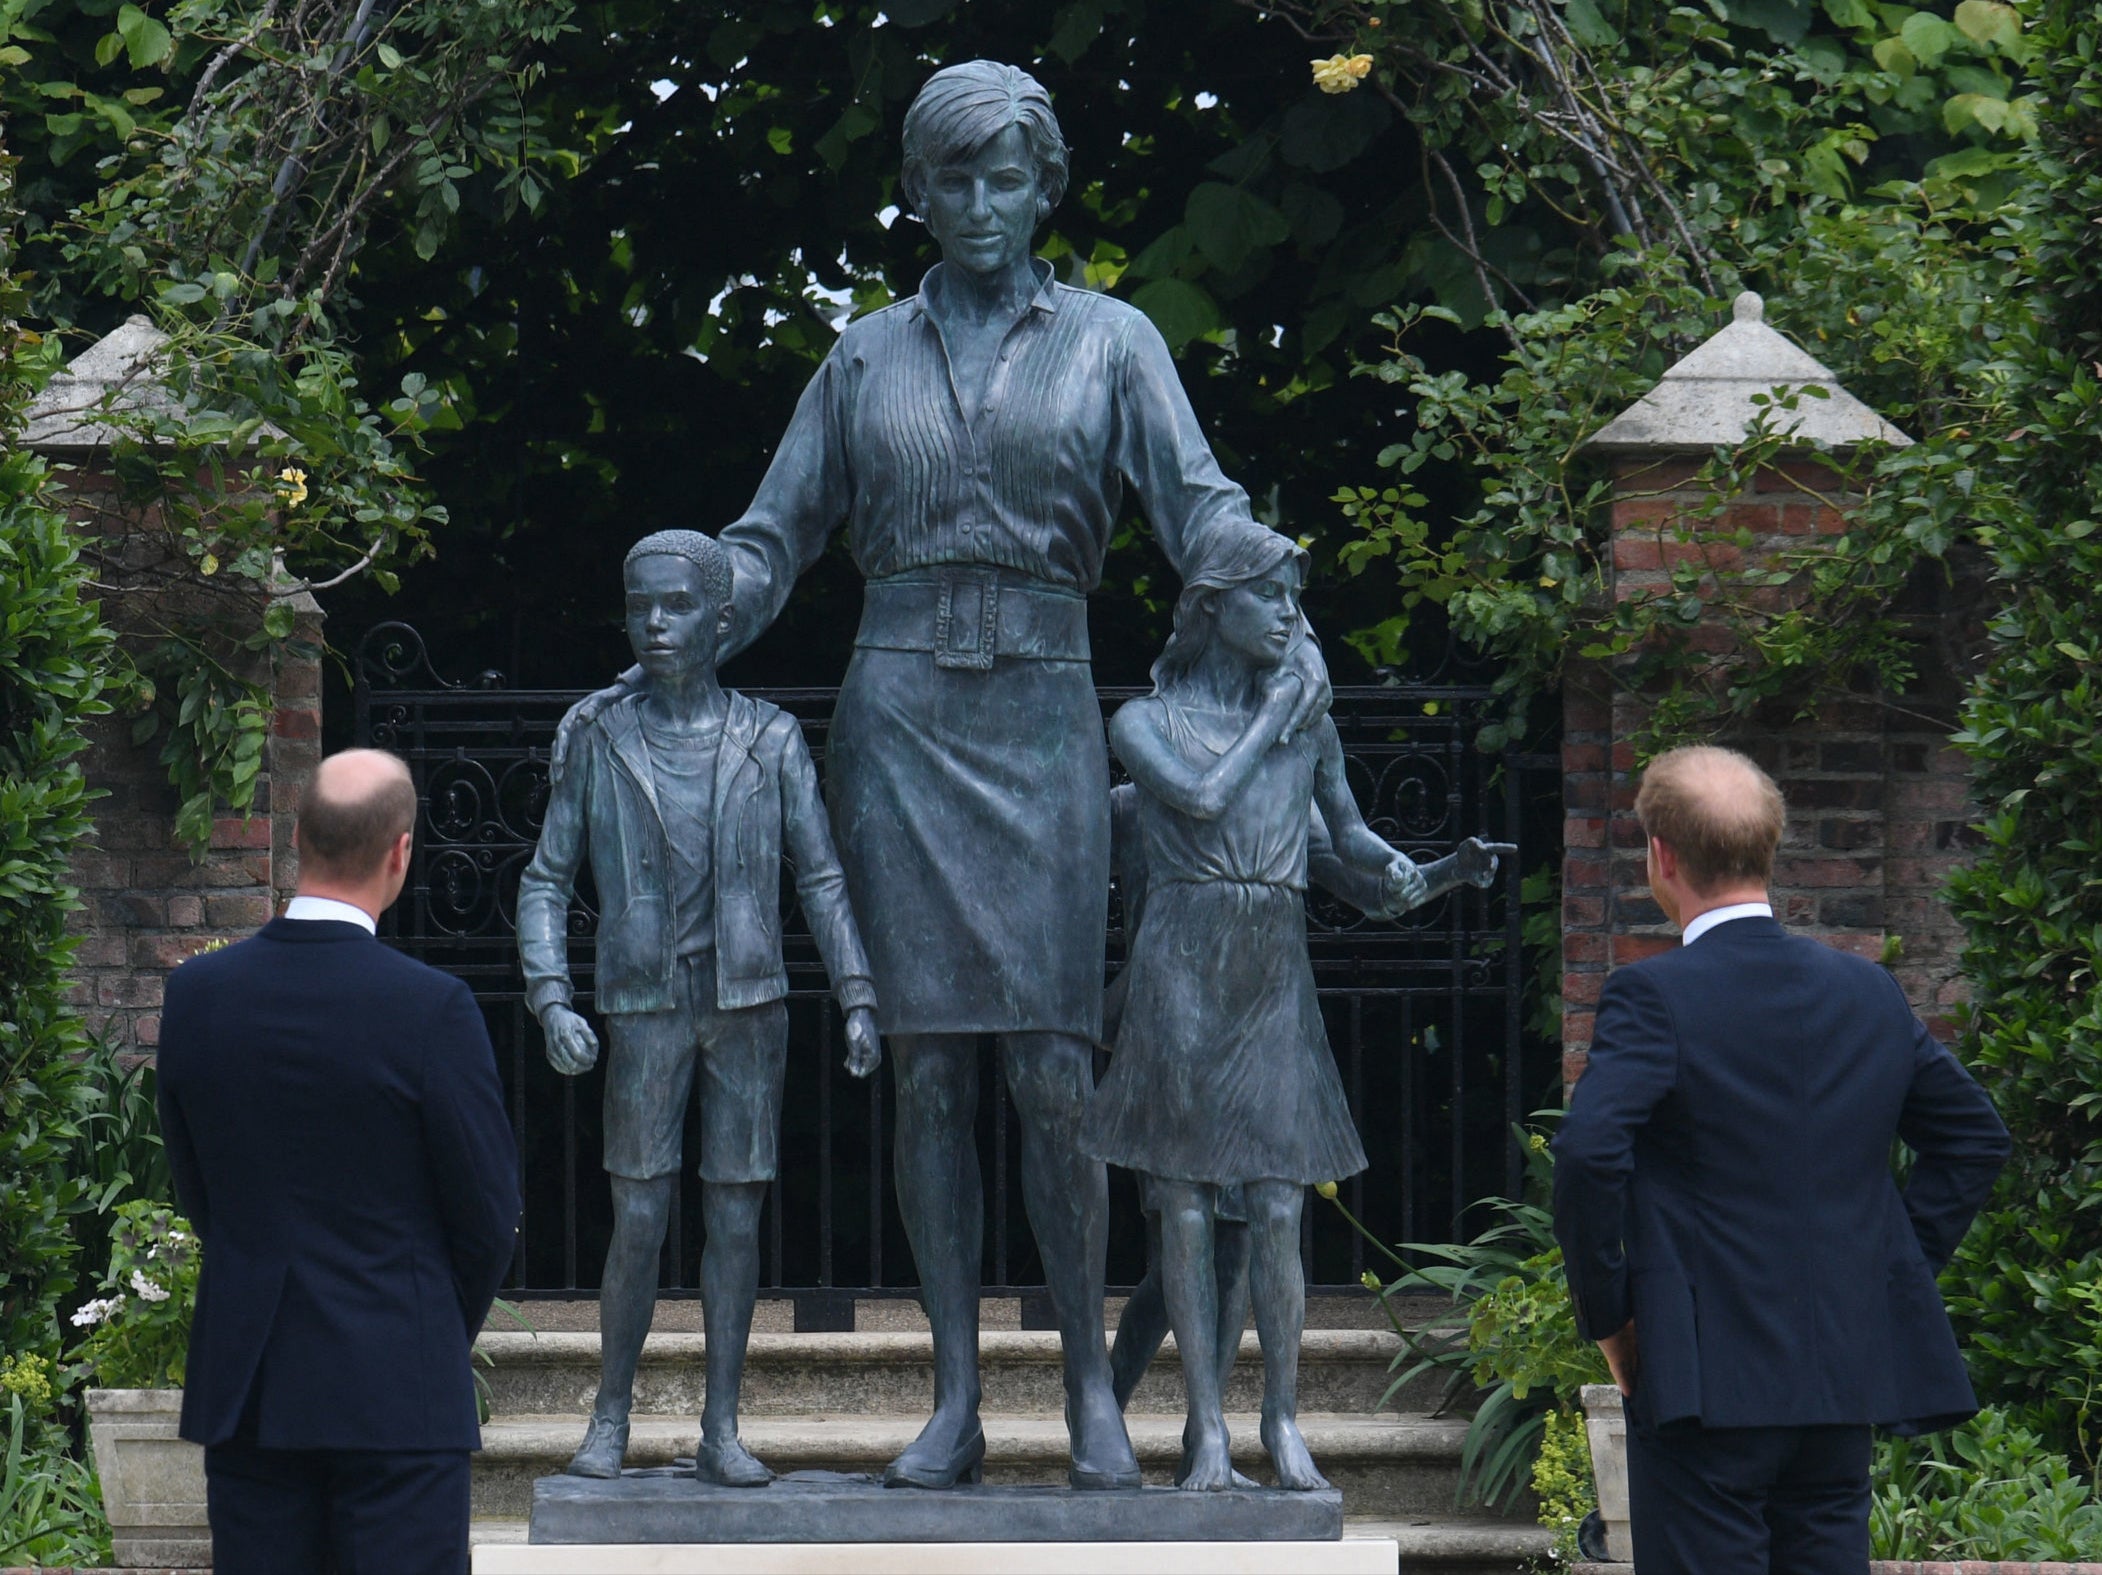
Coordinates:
<point>970,794</point>
<point>1082,398</point>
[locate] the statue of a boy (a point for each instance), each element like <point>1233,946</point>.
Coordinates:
<point>681,793</point>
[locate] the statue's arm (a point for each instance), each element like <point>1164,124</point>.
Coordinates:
<point>1189,500</point>
<point>1136,734</point>
<point>803,499</point>
<point>549,880</point>
<point>1406,883</point>
<point>1366,890</point>
<point>821,885</point>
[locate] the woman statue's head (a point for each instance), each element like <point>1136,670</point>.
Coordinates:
<point>1245,595</point>
<point>984,162</point>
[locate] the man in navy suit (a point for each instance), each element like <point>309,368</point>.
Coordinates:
<point>1736,1240</point>
<point>337,1136</point>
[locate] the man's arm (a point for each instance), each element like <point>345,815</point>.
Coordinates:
<point>179,1014</point>
<point>1959,1144</point>
<point>1633,1066</point>
<point>468,1144</point>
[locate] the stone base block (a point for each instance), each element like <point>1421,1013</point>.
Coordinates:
<point>670,1506</point>
<point>1368,1556</point>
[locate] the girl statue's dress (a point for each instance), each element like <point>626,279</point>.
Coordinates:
<point>1222,1072</point>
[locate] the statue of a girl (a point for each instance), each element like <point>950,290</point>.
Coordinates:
<point>1222,1075</point>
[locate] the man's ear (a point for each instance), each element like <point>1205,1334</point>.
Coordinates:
<point>398,855</point>
<point>1666,858</point>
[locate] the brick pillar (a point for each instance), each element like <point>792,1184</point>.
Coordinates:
<point>1877,800</point>
<point>146,903</point>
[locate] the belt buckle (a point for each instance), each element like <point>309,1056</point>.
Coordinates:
<point>967,621</point>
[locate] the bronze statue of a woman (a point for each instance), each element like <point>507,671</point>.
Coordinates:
<point>975,442</point>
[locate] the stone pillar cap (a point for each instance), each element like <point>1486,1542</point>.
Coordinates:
<point>1705,400</point>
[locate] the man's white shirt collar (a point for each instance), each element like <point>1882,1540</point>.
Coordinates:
<point>1714,916</point>
<point>346,913</point>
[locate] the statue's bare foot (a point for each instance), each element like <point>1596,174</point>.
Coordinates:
<point>1207,1463</point>
<point>950,1449</point>
<point>1102,1455</point>
<point>727,1463</point>
<point>1288,1453</point>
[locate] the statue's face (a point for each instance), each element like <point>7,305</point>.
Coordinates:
<point>1260,619</point>
<point>984,209</point>
<point>672,625</point>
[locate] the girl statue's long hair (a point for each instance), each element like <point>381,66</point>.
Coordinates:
<point>1239,558</point>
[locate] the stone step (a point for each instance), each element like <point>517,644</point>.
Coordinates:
<point>1390,1466</point>
<point>1427,1547</point>
<point>1340,1370</point>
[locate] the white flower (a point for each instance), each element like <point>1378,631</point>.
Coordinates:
<point>92,1313</point>
<point>148,1291</point>
<point>177,1237</point>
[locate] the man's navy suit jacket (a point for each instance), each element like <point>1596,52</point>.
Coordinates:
<point>336,1133</point>
<point>1723,1176</point>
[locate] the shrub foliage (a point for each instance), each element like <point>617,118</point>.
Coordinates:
<point>52,650</point>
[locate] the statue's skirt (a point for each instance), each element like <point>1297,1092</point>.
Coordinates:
<point>971,809</point>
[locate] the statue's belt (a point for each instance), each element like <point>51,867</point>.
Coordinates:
<point>967,617</point>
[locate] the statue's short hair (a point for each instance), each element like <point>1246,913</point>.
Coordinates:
<point>1717,810</point>
<point>704,552</point>
<point>962,108</point>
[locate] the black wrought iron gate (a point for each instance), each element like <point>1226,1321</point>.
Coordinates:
<point>1424,1015</point>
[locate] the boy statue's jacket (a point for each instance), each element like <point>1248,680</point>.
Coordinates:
<point>603,805</point>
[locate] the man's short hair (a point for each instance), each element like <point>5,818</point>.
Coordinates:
<point>348,838</point>
<point>703,552</point>
<point>962,108</point>
<point>1717,810</point>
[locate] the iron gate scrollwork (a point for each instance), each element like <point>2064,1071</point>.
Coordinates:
<point>1424,1013</point>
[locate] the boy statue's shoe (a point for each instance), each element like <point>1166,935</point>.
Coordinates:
<point>605,1444</point>
<point>729,1465</point>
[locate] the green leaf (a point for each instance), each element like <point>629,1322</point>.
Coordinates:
<point>1928,37</point>
<point>1228,223</point>
<point>1892,55</point>
<point>1588,26</point>
<point>1079,25</point>
<point>1974,108</point>
<point>1179,309</point>
<point>1986,22</point>
<point>146,42</point>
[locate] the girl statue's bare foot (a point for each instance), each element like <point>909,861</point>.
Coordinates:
<point>1288,1453</point>
<point>1207,1464</point>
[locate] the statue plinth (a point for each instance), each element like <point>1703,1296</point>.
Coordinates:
<point>670,1506</point>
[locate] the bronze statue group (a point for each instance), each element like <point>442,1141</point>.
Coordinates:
<point>975,443</point>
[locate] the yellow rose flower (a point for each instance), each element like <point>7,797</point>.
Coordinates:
<point>1327,1189</point>
<point>294,485</point>
<point>1341,73</point>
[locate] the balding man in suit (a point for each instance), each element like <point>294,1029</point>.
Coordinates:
<point>337,1136</point>
<point>1736,1240</point>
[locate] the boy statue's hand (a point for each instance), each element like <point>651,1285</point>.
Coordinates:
<point>571,1045</point>
<point>864,1048</point>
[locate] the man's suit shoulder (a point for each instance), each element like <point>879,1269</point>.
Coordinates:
<point>1718,956</point>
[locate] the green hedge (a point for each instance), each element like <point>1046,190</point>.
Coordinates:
<point>52,650</point>
<point>2026,1288</point>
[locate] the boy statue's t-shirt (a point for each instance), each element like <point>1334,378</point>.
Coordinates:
<point>684,767</point>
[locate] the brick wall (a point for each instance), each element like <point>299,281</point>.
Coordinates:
<point>1877,800</point>
<point>146,904</point>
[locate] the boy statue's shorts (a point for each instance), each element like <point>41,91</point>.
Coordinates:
<point>650,1062</point>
